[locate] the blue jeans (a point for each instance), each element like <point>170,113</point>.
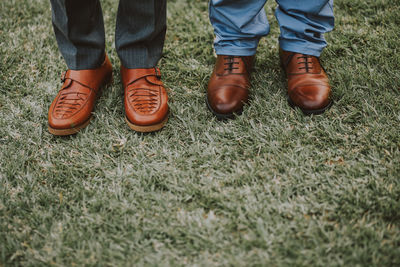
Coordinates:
<point>239,25</point>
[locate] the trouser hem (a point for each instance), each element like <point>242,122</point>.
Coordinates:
<point>301,48</point>
<point>235,51</point>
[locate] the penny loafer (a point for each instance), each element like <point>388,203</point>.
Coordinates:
<point>308,84</point>
<point>72,108</point>
<point>145,99</point>
<point>228,87</point>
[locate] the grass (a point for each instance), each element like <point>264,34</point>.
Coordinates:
<point>272,187</point>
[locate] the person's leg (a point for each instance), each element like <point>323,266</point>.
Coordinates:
<point>238,26</point>
<point>303,25</point>
<point>79,30</point>
<point>139,39</point>
<point>140,32</point>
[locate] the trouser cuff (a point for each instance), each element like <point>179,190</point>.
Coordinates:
<point>301,47</point>
<point>235,51</point>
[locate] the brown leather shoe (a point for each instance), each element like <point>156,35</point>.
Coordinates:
<point>72,108</point>
<point>228,88</point>
<point>146,100</point>
<point>308,84</point>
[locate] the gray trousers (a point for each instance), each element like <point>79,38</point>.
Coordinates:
<point>139,35</point>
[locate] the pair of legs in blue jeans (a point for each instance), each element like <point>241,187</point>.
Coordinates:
<point>239,25</point>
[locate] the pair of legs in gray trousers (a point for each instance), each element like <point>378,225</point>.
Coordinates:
<point>139,34</point>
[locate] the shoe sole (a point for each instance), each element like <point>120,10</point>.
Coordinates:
<point>76,129</point>
<point>311,111</point>
<point>147,128</point>
<point>222,116</point>
<point>69,131</point>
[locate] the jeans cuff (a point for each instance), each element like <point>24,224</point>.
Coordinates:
<point>235,51</point>
<point>301,47</point>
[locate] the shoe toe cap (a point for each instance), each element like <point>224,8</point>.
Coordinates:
<point>311,97</point>
<point>228,100</point>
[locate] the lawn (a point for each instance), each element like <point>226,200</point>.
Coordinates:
<point>271,188</point>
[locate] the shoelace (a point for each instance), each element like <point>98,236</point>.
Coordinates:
<point>307,64</point>
<point>231,63</point>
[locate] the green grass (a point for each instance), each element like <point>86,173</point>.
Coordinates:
<point>272,187</point>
